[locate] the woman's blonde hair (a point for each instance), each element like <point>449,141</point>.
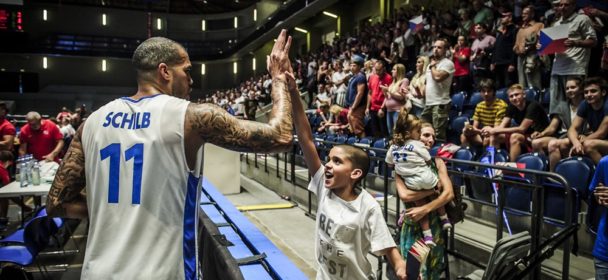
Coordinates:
<point>425,63</point>
<point>400,72</point>
<point>335,110</point>
<point>405,125</point>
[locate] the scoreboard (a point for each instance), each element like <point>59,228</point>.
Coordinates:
<point>11,18</point>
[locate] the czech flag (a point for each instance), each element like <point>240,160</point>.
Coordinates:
<point>552,39</point>
<point>416,24</point>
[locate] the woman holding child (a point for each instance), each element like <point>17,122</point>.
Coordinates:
<point>411,230</point>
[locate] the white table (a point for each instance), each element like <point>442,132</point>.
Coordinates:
<point>15,190</point>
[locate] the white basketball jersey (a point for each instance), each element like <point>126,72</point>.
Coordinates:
<point>142,198</point>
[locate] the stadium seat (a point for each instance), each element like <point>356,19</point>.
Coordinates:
<point>578,172</point>
<point>461,154</point>
<point>502,94</point>
<point>469,107</point>
<point>352,140</point>
<point>341,139</point>
<point>455,129</point>
<point>531,94</point>
<point>546,98</point>
<point>434,150</point>
<point>378,166</point>
<point>505,255</point>
<point>518,198</point>
<point>457,104</point>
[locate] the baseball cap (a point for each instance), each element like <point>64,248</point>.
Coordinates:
<point>358,59</point>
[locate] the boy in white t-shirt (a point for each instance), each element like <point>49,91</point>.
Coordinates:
<point>349,222</point>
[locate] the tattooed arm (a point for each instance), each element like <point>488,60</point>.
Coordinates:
<point>207,123</point>
<point>65,198</point>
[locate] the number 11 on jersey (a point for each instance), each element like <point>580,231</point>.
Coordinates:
<point>135,152</point>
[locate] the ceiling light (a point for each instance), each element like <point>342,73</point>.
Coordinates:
<point>330,14</point>
<point>301,30</point>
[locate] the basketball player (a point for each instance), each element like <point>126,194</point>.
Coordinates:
<point>140,160</point>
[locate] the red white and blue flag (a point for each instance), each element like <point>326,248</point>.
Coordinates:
<point>552,39</point>
<point>416,24</point>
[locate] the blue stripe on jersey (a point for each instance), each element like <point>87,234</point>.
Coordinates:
<point>136,101</point>
<point>190,216</point>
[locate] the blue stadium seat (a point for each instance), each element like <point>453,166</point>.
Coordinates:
<point>378,166</point>
<point>469,107</point>
<point>457,104</point>
<point>531,94</point>
<point>455,129</point>
<point>578,171</point>
<point>546,98</point>
<point>341,139</point>
<point>352,140</point>
<point>434,150</point>
<point>502,94</point>
<point>518,198</point>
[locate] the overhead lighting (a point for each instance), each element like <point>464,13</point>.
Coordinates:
<point>204,25</point>
<point>44,15</point>
<point>103,20</point>
<point>44,63</point>
<point>301,30</point>
<point>253,64</point>
<point>330,14</point>
<point>203,69</point>
<point>234,67</point>
<point>236,22</point>
<point>255,14</point>
<point>104,67</point>
<point>159,23</point>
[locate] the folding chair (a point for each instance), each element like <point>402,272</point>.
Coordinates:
<point>506,252</point>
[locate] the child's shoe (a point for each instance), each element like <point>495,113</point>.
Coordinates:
<point>428,240</point>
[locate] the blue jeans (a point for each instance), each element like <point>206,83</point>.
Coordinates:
<point>391,119</point>
<point>601,269</point>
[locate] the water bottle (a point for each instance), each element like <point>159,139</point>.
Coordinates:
<point>23,174</point>
<point>36,174</point>
<point>29,165</point>
<point>17,168</point>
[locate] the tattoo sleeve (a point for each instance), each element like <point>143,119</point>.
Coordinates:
<point>214,125</point>
<point>65,198</point>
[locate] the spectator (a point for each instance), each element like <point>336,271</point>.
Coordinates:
<point>465,26</point>
<point>7,130</point>
<point>338,122</point>
<point>439,76</point>
<point>462,68</point>
<point>521,120</point>
<point>356,99</point>
<point>66,129</point>
<point>528,61</point>
<point>396,96</point>
<point>483,14</point>
<point>375,99</point>
<point>65,113</point>
<point>322,95</point>
<point>575,60</point>
<point>488,113</point>
<point>410,230</point>
<point>596,144</point>
<point>600,194</point>
<point>251,106</point>
<point>481,48</point>
<point>41,138</point>
<point>558,128</point>
<point>503,57</point>
<point>339,80</point>
<point>418,86</point>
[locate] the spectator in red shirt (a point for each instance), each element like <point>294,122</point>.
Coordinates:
<point>375,101</point>
<point>65,113</point>
<point>7,130</point>
<point>462,68</point>
<point>41,138</point>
